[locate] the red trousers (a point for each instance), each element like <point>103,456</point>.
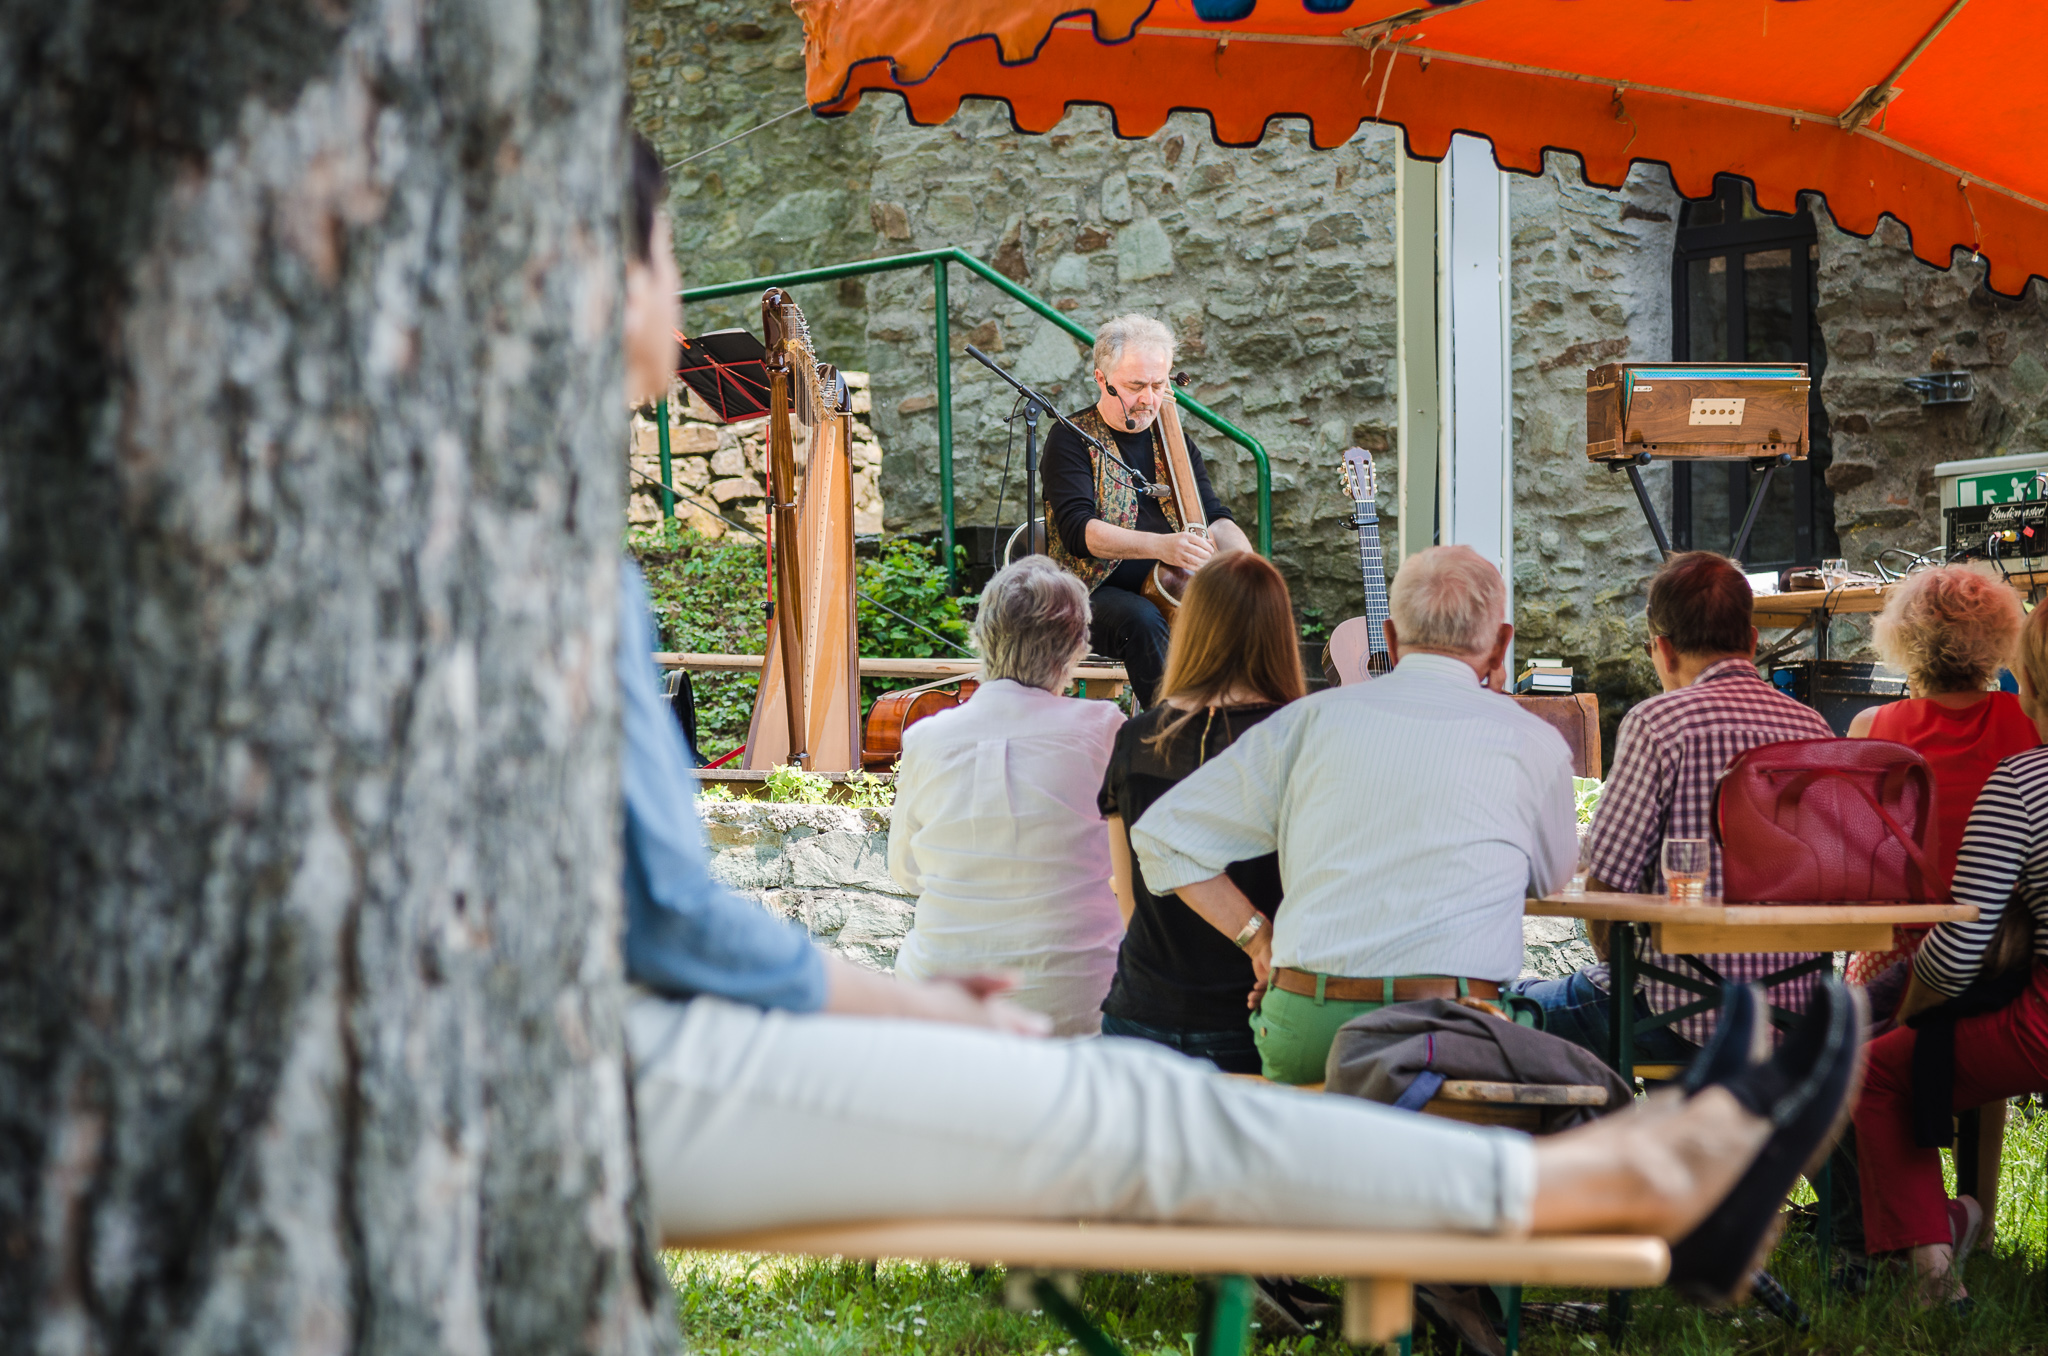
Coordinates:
<point>1998,1055</point>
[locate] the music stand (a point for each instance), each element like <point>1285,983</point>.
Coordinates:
<point>729,369</point>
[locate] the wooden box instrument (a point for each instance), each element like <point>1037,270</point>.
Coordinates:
<point>1698,410</point>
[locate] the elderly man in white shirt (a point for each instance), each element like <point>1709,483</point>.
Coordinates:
<point>996,826</point>
<point>1412,814</point>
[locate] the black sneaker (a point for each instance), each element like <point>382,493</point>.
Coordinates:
<point>1805,1091</point>
<point>1740,1039</point>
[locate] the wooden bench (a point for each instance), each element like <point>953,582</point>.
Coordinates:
<point>1379,1269</point>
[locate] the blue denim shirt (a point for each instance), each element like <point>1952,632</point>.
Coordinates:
<point>685,933</point>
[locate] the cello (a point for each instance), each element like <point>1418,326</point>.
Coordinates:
<point>895,712</point>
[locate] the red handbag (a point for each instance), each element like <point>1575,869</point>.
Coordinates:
<point>1820,821</point>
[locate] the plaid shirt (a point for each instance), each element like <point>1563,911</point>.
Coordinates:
<point>1670,753</point>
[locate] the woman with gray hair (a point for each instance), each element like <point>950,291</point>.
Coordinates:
<point>996,828</point>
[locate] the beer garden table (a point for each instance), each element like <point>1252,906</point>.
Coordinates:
<point>1713,927</point>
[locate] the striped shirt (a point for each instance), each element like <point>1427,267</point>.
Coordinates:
<point>1412,815</point>
<point>1668,757</point>
<point>2004,855</point>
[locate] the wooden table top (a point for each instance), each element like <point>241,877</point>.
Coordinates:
<point>1790,609</point>
<point>1618,908</point>
<point>1717,928</point>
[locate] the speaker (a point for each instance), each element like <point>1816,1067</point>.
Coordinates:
<point>1839,688</point>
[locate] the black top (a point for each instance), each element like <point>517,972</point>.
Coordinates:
<point>1175,969</point>
<point>1070,489</point>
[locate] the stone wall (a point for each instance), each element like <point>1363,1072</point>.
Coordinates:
<point>1274,265</point>
<point>719,470</point>
<point>1591,285</point>
<point>792,196</point>
<point>827,866</point>
<point>1887,317</point>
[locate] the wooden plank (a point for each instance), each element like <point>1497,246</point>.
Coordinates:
<point>1377,1310</point>
<point>1587,1260</point>
<point>1523,1094</point>
<point>1691,939</point>
<point>871,667</point>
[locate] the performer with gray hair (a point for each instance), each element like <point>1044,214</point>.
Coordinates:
<point>1103,526</point>
<point>1412,814</point>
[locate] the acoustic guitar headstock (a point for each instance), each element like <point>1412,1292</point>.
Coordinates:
<point>1361,480</point>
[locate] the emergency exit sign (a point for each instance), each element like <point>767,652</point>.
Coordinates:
<point>2003,487</point>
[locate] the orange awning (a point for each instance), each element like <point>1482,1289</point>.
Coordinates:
<point>1929,111</point>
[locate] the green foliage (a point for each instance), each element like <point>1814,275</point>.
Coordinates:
<point>783,1306</point>
<point>907,578</point>
<point>867,793</point>
<point>712,793</point>
<point>708,598</point>
<point>1586,795</point>
<point>791,785</point>
<point>1313,627</point>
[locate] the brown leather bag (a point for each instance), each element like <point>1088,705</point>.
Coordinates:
<point>1825,821</point>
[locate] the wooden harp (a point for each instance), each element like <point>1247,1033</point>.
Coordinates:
<point>807,709</point>
<point>1165,584</point>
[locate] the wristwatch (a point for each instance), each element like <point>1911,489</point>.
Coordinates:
<point>1250,930</point>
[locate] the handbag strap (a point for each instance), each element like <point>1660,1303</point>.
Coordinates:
<point>1913,849</point>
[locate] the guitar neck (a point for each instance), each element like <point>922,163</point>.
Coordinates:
<point>1372,566</point>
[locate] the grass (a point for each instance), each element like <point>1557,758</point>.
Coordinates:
<point>772,1306</point>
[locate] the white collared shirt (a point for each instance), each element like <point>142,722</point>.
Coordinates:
<point>1412,814</point>
<point>997,832</point>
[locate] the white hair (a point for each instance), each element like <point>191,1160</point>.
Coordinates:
<point>1130,331</point>
<point>1448,598</point>
<point>1032,625</point>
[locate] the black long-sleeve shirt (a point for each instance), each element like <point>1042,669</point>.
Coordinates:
<point>1070,490</point>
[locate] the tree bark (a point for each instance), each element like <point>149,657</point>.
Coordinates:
<point>309,836</point>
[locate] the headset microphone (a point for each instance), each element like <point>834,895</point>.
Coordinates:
<point>1130,424</point>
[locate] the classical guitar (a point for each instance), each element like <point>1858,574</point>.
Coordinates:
<point>1357,649</point>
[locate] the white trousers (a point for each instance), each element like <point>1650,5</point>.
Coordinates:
<point>751,1119</point>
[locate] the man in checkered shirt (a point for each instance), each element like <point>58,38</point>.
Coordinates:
<point>1671,751</point>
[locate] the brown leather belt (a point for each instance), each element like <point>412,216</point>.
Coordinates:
<point>1345,989</point>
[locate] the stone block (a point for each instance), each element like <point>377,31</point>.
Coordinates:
<point>729,461</point>
<point>684,439</point>
<point>890,220</point>
<point>1116,198</point>
<point>737,487</point>
<point>1143,251</point>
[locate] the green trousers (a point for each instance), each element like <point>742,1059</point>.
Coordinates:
<point>1293,1032</point>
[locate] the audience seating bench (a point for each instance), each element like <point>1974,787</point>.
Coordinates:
<point>1379,1269</point>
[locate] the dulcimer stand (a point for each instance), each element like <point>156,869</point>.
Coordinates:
<point>1768,465</point>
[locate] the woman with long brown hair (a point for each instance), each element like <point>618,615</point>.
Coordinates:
<point>1233,661</point>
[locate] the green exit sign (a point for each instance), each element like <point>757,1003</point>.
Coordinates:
<point>2003,487</point>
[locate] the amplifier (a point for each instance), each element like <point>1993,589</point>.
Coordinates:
<point>2019,529</point>
<point>1839,688</point>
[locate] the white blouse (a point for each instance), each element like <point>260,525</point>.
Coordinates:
<point>997,831</point>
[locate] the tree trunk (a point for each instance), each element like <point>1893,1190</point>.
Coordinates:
<point>310,505</point>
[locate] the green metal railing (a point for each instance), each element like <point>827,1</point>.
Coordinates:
<point>938,261</point>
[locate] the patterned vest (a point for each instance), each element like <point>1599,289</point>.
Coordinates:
<point>1116,499</point>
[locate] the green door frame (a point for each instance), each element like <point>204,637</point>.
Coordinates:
<point>938,260</point>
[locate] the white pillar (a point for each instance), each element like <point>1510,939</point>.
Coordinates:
<point>1476,485</point>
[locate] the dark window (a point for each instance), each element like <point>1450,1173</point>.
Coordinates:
<point>1743,290</point>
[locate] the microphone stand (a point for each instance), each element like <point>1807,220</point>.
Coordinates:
<point>1034,402</point>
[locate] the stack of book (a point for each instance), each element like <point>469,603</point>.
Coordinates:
<point>1551,676</point>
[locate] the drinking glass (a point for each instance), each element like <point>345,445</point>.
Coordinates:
<point>1686,862</point>
<point>1834,571</point>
